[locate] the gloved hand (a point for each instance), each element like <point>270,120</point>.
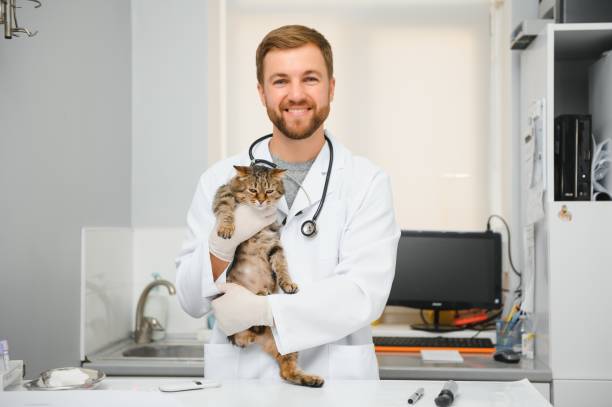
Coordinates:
<point>239,309</point>
<point>247,221</point>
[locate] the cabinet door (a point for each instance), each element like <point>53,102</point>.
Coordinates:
<point>580,261</point>
<point>572,393</point>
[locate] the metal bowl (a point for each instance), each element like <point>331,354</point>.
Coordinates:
<point>42,382</point>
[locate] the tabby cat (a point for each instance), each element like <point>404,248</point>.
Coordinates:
<point>259,263</point>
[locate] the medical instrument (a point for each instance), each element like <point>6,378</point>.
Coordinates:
<point>309,227</point>
<point>66,378</point>
<point>447,394</point>
<point>416,396</point>
<point>191,385</point>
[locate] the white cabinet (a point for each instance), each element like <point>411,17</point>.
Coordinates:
<point>573,283</point>
<point>580,270</point>
<point>572,393</point>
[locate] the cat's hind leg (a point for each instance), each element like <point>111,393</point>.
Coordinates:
<point>287,363</point>
<point>243,339</point>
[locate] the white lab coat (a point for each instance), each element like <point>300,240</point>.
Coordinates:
<point>344,273</point>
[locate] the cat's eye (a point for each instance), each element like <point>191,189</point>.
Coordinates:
<point>253,191</point>
<point>269,191</point>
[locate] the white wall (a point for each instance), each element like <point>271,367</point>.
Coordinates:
<point>412,95</point>
<point>522,10</point>
<point>65,156</point>
<point>103,123</point>
<point>169,93</point>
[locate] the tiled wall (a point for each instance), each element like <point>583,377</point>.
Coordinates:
<point>106,286</point>
<point>117,263</point>
<point>154,252</point>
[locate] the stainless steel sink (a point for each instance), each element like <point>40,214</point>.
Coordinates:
<point>165,351</point>
<point>174,356</point>
<point>168,349</point>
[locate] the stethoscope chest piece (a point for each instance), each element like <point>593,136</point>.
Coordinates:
<point>309,228</point>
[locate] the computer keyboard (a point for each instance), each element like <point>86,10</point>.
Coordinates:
<point>416,344</point>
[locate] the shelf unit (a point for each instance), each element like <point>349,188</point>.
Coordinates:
<point>573,241</point>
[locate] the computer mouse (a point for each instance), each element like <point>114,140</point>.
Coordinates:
<point>507,356</point>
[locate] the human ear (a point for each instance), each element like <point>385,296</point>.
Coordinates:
<point>262,95</point>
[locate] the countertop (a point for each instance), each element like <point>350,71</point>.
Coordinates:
<point>136,390</point>
<point>405,366</point>
<point>474,367</point>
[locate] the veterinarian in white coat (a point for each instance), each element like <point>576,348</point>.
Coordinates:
<point>344,272</point>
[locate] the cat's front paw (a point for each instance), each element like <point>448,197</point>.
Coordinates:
<point>226,230</point>
<point>288,286</point>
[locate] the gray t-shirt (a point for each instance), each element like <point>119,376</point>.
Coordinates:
<point>294,176</point>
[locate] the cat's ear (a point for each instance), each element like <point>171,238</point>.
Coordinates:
<point>277,173</point>
<point>242,170</point>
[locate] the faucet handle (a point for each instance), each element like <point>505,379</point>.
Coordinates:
<point>145,333</point>
<point>155,324</point>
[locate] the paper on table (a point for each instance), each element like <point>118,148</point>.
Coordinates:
<point>90,398</point>
<point>452,356</point>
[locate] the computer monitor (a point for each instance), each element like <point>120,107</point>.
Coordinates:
<point>447,271</point>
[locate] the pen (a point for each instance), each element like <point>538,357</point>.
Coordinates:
<point>416,396</point>
<point>515,321</point>
<point>513,314</point>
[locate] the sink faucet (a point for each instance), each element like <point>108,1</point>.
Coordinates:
<point>144,325</point>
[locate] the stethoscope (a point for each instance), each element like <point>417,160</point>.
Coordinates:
<point>309,227</point>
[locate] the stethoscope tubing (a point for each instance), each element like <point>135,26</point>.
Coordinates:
<point>309,227</point>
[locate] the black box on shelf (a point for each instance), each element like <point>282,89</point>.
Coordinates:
<point>583,11</point>
<point>573,147</point>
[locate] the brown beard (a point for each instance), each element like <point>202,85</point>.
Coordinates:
<point>317,120</point>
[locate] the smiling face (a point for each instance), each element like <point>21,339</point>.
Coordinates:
<point>296,90</point>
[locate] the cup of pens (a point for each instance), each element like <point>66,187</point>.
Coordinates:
<point>509,333</point>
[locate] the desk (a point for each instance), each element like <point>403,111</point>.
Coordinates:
<point>370,393</point>
<point>410,366</point>
<point>474,367</point>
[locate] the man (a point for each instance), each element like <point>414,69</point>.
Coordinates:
<point>344,271</point>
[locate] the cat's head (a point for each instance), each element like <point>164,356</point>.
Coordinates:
<point>257,185</point>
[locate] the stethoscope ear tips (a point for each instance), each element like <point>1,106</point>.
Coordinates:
<point>309,228</point>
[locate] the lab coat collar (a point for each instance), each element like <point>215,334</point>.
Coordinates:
<point>315,179</point>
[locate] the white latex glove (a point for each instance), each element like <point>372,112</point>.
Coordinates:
<point>247,221</point>
<point>239,309</point>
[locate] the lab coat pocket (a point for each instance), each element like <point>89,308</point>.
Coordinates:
<point>353,362</point>
<point>221,361</point>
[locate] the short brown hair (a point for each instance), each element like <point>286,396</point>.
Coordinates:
<point>293,36</point>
